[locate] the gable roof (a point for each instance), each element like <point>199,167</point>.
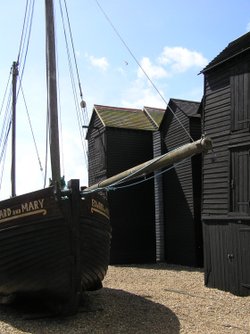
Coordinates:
<point>238,46</point>
<point>156,114</point>
<point>129,118</point>
<point>188,108</point>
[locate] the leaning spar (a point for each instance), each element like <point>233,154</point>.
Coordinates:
<point>181,153</point>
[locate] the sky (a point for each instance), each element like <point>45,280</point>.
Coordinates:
<point>172,41</point>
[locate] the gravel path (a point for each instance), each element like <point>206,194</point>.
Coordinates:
<point>148,299</point>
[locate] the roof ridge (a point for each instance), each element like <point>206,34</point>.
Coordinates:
<point>153,122</point>
<point>233,49</point>
<point>127,118</point>
<point>187,113</point>
<point>184,100</point>
<point>115,108</point>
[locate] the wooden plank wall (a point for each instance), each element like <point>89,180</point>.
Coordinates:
<point>97,164</point>
<point>226,229</point>
<point>217,126</point>
<point>159,205</point>
<point>132,208</point>
<point>180,229</point>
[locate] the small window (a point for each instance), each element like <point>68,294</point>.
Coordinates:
<point>240,180</point>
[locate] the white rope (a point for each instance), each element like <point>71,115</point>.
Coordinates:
<point>142,69</point>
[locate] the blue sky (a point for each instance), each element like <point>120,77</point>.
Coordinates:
<point>172,41</point>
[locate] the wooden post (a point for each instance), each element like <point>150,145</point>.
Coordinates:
<point>74,185</point>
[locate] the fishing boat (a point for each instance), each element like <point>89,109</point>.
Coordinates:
<point>55,242</point>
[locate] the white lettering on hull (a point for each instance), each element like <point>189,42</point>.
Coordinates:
<point>25,209</point>
<point>99,208</point>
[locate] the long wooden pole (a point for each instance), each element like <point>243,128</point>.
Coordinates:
<point>52,93</point>
<point>13,160</point>
<point>185,151</point>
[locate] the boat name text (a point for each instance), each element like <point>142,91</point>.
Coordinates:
<point>24,209</point>
<point>99,208</point>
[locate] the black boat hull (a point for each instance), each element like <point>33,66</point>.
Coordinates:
<point>53,247</point>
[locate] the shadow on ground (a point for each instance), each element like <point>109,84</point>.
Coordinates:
<point>107,311</point>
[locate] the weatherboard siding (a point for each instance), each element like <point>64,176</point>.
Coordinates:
<point>225,173</point>
<point>127,148</point>
<point>132,208</point>
<point>96,151</point>
<point>217,125</point>
<point>114,146</point>
<point>227,254</point>
<point>158,199</point>
<point>183,237</point>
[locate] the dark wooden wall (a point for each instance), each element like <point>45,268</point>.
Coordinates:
<point>132,208</point>
<point>227,254</point>
<point>158,200</point>
<point>226,176</point>
<point>97,160</point>
<point>182,193</point>
<point>111,151</point>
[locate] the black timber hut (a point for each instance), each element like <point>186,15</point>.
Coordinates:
<point>118,139</point>
<point>178,192</point>
<point>226,171</point>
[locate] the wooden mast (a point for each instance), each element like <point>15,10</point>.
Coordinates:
<point>13,159</point>
<point>52,93</point>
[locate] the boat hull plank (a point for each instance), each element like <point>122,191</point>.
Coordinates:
<point>53,247</point>
<point>95,234</point>
<point>35,249</point>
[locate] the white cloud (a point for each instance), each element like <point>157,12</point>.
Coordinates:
<point>153,71</point>
<point>147,98</point>
<point>142,94</point>
<point>101,63</point>
<point>248,27</point>
<point>171,61</point>
<point>180,59</point>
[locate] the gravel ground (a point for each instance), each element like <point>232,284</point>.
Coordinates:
<point>146,299</point>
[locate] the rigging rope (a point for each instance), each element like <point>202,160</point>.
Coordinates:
<point>4,137</point>
<point>73,48</point>
<point>22,34</point>
<point>85,113</point>
<point>25,39</point>
<point>46,147</point>
<point>7,114</point>
<point>31,129</point>
<point>79,113</point>
<point>142,69</point>
<point>6,123</point>
<point>5,93</point>
<point>3,165</point>
<point>21,61</point>
<point>4,134</point>
<point>113,186</point>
